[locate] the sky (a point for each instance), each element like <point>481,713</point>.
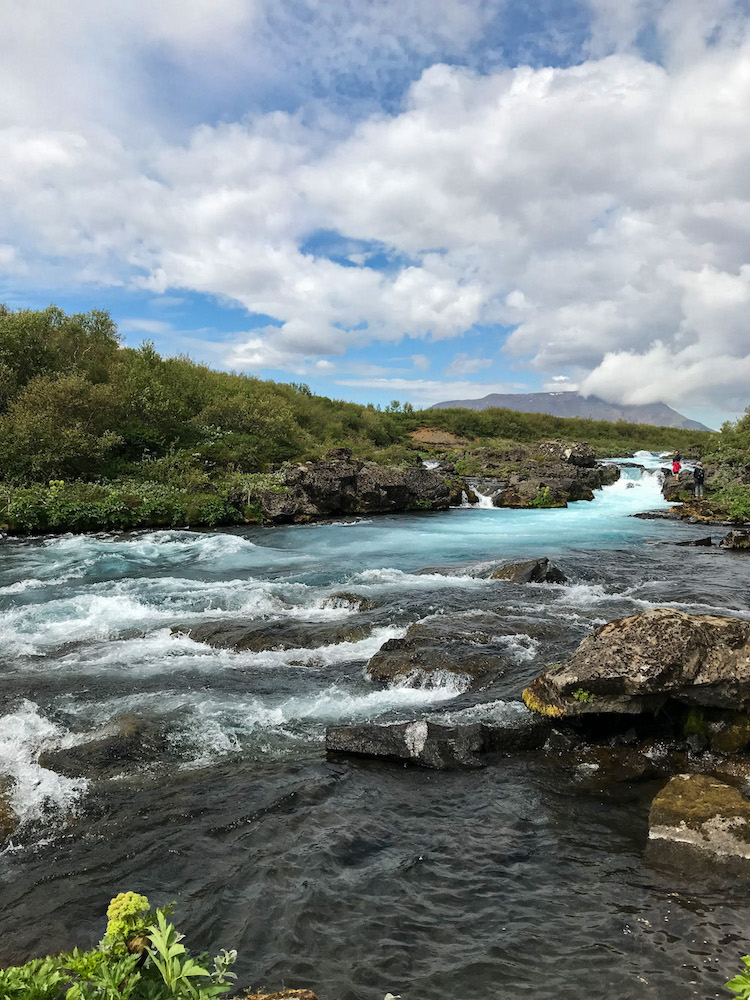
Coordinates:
<point>418,200</point>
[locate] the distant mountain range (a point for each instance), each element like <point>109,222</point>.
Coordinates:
<point>573,404</point>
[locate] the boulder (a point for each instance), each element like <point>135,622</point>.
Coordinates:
<point>702,812</point>
<point>434,745</point>
<point>461,645</point>
<point>739,541</point>
<point>127,742</point>
<point>578,453</point>
<point>339,485</point>
<point>250,635</point>
<point>8,817</point>
<point>425,743</point>
<point>346,599</point>
<point>636,664</point>
<point>530,571</point>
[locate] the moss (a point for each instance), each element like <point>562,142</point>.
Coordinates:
<point>695,723</point>
<point>535,704</point>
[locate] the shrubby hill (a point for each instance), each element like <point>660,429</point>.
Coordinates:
<point>86,422</point>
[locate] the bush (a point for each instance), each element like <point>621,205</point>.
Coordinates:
<point>141,957</point>
<point>736,500</point>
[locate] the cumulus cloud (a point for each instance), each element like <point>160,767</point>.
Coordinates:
<point>599,212</point>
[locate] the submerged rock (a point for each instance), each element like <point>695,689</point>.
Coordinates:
<point>737,540</point>
<point>257,637</point>
<point>130,741</point>
<point>635,664</point>
<point>702,812</point>
<point>8,817</point>
<point>459,645</point>
<point>530,571</point>
<point>346,599</point>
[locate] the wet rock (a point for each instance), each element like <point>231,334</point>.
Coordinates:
<point>346,599</point>
<point>462,645</point>
<point>739,541</point>
<point>130,741</point>
<point>256,637</point>
<point>530,571</point>
<point>729,733</point>
<point>283,995</point>
<point>435,745</point>
<point>702,812</point>
<point>425,743</point>
<point>340,485</point>
<point>8,817</point>
<point>696,541</point>
<point>531,494</point>
<point>635,664</point>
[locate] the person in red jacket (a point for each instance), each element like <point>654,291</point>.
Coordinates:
<point>676,466</point>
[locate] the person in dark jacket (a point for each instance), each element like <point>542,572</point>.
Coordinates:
<point>699,475</point>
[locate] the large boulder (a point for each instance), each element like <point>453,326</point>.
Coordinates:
<point>460,645</point>
<point>423,743</point>
<point>702,812</point>
<point>434,745</point>
<point>578,453</point>
<point>530,571</point>
<point>636,664</point>
<point>127,743</point>
<point>250,635</point>
<point>549,483</point>
<point>341,485</point>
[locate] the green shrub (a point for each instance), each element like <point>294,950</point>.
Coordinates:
<point>141,957</point>
<point>736,500</point>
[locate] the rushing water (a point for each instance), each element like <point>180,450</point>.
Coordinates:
<point>351,877</point>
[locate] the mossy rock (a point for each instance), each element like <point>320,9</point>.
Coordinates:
<point>702,812</point>
<point>8,817</point>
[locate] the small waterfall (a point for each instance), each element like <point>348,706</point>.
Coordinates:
<point>484,501</point>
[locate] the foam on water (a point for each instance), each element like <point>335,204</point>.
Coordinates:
<point>36,792</point>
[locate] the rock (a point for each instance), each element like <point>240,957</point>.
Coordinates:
<point>8,817</point>
<point>530,571</point>
<point>636,664</point>
<point>697,541</point>
<point>283,995</point>
<point>730,733</point>
<point>345,599</point>
<point>256,637</point>
<point>531,494</point>
<point>739,541</point>
<point>423,743</point>
<point>578,453</point>
<point>461,645</point>
<point>702,812</point>
<point>134,742</point>
<point>434,745</point>
<point>339,485</point>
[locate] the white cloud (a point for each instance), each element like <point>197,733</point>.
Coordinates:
<point>423,392</point>
<point>462,364</point>
<point>599,211</point>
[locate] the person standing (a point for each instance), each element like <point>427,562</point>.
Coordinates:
<point>699,475</point>
<point>676,466</point>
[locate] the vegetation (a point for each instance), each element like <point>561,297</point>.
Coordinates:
<point>94,435</point>
<point>141,957</point>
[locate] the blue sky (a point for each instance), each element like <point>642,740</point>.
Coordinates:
<point>421,200</point>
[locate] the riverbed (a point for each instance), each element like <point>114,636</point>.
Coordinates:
<point>352,877</point>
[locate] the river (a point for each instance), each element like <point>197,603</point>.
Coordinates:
<point>351,877</point>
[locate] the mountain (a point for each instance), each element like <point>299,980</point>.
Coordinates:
<point>573,404</point>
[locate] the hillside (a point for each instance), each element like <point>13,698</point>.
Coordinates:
<point>573,404</point>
